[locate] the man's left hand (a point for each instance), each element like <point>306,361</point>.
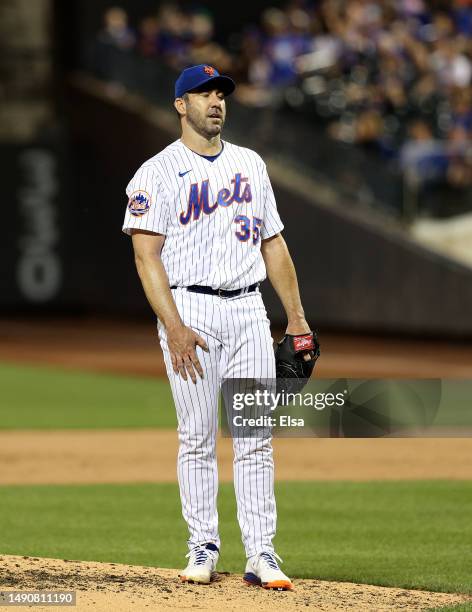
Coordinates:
<point>299,327</point>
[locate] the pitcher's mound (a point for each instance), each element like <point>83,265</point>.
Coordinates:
<point>121,588</point>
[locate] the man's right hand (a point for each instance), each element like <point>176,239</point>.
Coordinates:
<point>182,342</point>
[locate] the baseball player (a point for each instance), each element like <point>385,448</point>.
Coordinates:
<point>206,232</point>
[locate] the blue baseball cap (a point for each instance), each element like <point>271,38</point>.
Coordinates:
<point>195,76</point>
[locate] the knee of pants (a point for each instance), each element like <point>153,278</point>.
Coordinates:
<point>200,444</point>
<point>249,448</point>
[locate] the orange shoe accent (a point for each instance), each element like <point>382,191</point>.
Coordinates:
<point>285,585</point>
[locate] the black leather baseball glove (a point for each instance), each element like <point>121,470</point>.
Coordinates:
<point>293,371</point>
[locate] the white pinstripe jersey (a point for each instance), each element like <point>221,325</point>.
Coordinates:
<point>213,214</point>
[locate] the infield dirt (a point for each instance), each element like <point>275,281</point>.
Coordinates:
<point>121,588</point>
<point>126,456</point>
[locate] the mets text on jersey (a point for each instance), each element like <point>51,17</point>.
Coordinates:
<point>198,200</point>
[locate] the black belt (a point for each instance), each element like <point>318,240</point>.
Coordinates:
<point>219,292</point>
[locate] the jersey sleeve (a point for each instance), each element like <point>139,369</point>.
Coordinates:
<point>147,207</point>
<point>271,224</point>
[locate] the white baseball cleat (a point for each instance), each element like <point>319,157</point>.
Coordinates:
<point>263,570</point>
<point>202,562</point>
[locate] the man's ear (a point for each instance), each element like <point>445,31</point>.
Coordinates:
<point>180,107</point>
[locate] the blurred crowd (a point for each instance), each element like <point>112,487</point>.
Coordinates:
<point>391,76</point>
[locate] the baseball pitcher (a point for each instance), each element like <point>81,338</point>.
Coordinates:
<point>206,232</point>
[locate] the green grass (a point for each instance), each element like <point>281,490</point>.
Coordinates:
<point>34,397</point>
<point>40,397</point>
<point>402,534</point>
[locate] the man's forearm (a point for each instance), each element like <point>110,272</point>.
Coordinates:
<point>282,275</point>
<point>156,287</point>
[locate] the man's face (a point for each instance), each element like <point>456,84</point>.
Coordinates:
<point>206,111</point>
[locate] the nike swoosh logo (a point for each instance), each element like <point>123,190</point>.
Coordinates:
<point>184,173</point>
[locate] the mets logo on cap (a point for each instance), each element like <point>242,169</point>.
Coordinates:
<point>209,70</point>
<point>139,203</point>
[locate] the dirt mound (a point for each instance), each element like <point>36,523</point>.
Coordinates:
<point>110,586</point>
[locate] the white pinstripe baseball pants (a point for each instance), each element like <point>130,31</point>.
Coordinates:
<point>240,346</point>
